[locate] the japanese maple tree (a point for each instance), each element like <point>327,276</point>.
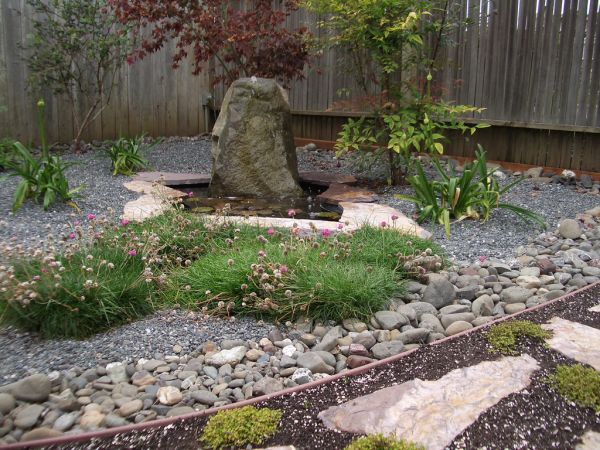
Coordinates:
<point>244,41</point>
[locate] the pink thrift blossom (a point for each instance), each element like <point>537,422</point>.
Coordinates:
<point>91,216</point>
<point>283,269</point>
<point>37,278</point>
<point>383,224</point>
<point>262,254</point>
<point>291,212</point>
<point>190,194</point>
<point>340,226</point>
<point>77,223</point>
<point>132,253</point>
<point>326,232</point>
<point>71,235</point>
<point>124,222</point>
<point>482,258</point>
<point>270,231</point>
<point>394,217</point>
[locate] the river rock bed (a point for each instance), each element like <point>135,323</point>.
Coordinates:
<point>217,373</point>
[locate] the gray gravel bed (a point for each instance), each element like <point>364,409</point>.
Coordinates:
<point>152,337</point>
<point>23,353</point>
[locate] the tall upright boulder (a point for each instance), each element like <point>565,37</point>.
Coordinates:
<point>253,146</point>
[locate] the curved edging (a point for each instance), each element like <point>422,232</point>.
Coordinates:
<point>352,372</point>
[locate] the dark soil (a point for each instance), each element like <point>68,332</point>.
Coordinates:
<point>535,418</point>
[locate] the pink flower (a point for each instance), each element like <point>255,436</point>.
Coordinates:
<point>77,223</point>
<point>262,254</point>
<point>284,269</point>
<point>326,232</point>
<point>124,222</point>
<point>394,217</point>
<point>482,258</point>
<point>270,231</point>
<point>132,253</point>
<point>71,235</point>
<point>37,278</point>
<point>295,231</point>
<point>383,224</point>
<point>291,212</point>
<point>190,194</point>
<point>340,226</point>
<point>91,216</point>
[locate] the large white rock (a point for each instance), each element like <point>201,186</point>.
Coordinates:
<point>232,356</point>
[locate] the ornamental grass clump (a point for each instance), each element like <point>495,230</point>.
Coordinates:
<point>239,428</point>
<point>579,384</point>
<point>503,337</point>
<point>329,276</point>
<point>381,442</point>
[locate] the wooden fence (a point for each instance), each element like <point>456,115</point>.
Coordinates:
<point>534,64</point>
<point>151,97</point>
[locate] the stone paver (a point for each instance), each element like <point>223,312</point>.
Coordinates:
<point>590,441</point>
<point>326,178</point>
<point>338,193</point>
<point>433,413</point>
<point>573,340</point>
<point>174,179</point>
<point>144,187</point>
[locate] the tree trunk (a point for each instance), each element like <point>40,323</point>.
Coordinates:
<point>396,172</point>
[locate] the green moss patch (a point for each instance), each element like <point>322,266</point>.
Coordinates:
<point>503,337</point>
<point>381,442</point>
<point>240,427</point>
<point>579,384</point>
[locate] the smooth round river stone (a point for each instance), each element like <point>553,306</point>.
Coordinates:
<point>390,320</point>
<point>515,294</point>
<point>439,292</point>
<point>169,395</point>
<point>458,327</point>
<point>569,229</point>
<point>7,403</point>
<point>386,349</point>
<point>314,363</point>
<point>35,388</point>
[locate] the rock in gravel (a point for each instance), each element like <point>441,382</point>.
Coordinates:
<point>422,308</point>
<point>390,320</point>
<point>92,419</point>
<point>354,325</point>
<point>365,338</point>
<point>513,308</point>
<point>180,411</point>
<point>569,229</point>
<point>117,372</point>
<point>515,294</point>
<point>449,319</point>
<point>267,385</point>
<point>65,401</point>
<point>355,361</point>
<point>384,350</point>
<point>65,422</point>
<point>130,408</point>
<point>329,341</point>
<point>28,416</point>
<point>7,403</point>
<point>169,395</point>
<point>205,397</point>
<point>314,363</point>
<point>35,388</point>
<point>458,327</point>
<point>432,323</point>
<point>414,336</point>
<point>142,378</point>
<point>483,306</point>
<point>302,376</point>
<point>112,421</point>
<point>40,433</point>
<point>232,356</point>
<point>439,292</point>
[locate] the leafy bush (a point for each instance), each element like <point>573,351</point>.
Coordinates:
<point>503,337</point>
<point>240,427</point>
<point>41,179</point>
<point>579,384</point>
<point>74,295</point>
<point>287,275</point>
<point>7,152</point>
<point>381,442</point>
<point>472,194</point>
<point>127,155</point>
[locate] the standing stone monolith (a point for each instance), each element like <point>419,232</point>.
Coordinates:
<point>253,146</point>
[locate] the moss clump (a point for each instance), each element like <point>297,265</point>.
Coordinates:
<point>381,442</point>
<point>503,337</point>
<point>240,427</point>
<point>579,384</point>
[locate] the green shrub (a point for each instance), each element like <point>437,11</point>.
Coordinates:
<point>286,276</point>
<point>41,179</point>
<point>240,427</point>
<point>579,384</point>
<point>471,195</point>
<point>381,442</point>
<point>503,337</point>
<point>127,155</point>
<point>74,295</point>
<point>7,152</point>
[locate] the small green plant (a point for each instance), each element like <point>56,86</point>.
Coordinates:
<point>503,337</point>
<point>41,179</point>
<point>7,152</point>
<point>240,427</point>
<point>472,194</point>
<point>579,384</point>
<point>127,155</point>
<point>381,442</point>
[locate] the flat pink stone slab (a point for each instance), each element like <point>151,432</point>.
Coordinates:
<point>433,413</point>
<point>575,340</point>
<point>326,178</point>
<point>174,179</point>
<point>338,193</point>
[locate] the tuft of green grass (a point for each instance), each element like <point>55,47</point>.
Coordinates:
<point>77,295</point>
<point>503,337</point>
<point>381,442</point>
<point>284,276</point>
<point>579,384</point>
<point>240,427</point>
